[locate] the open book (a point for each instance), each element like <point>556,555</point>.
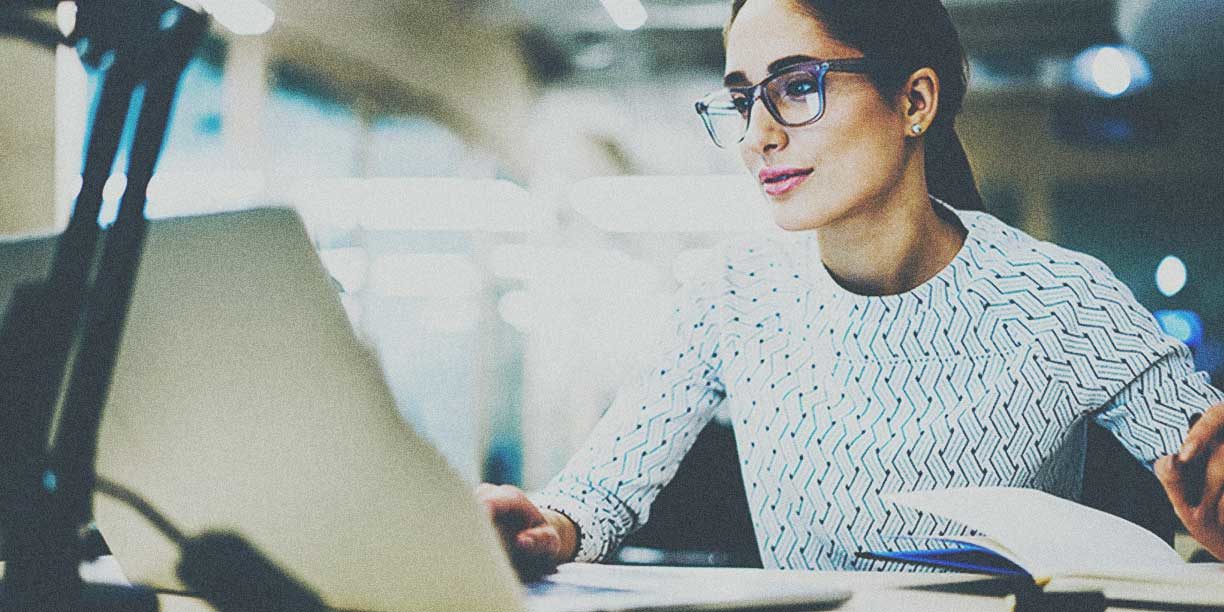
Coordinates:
<point>1058,543</point>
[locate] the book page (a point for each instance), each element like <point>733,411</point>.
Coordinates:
<point>1199,584</point>
<point>1048,535</point>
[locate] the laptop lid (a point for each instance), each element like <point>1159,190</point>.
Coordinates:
<point>242,401</point>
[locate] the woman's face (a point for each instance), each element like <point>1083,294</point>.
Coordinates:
<point>848,160</point>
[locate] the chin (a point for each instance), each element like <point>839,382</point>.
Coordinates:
<point>798,219</point>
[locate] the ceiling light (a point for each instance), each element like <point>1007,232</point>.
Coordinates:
<point>1170,276</point>
<point>1111,71</point>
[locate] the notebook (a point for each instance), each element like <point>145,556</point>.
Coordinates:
<point>242,401</point>
<point>1059,544</point>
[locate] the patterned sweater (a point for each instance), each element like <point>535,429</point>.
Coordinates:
<point>971,379</point>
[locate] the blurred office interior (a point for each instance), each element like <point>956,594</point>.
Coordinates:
<point>574,188</point>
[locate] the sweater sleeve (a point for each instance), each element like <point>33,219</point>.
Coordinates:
<point>1150,415</point>
<point>607,487</point>
<point>1156,388</point>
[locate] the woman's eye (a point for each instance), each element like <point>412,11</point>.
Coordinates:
<point>801,88</point>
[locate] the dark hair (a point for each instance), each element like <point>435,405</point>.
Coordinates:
<point>910,34</point>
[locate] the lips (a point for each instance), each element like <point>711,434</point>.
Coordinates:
<point>781,179</point>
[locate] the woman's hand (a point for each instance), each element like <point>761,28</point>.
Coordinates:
<point>1194,480</point>
<point>537,540</point>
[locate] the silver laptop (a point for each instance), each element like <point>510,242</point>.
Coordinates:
<point>242,401</point>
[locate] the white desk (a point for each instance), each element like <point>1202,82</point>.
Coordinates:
<point>873,591</point>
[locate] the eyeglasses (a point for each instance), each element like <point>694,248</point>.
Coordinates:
<point>794,97</point>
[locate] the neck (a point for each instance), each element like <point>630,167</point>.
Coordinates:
<point>892,245</point>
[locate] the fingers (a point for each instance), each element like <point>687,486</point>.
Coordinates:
<point>1173,480</point>
<point>522,525</point>
<point>535,552</point>
<point>1213,487</point>
<point>1202,433</point>
<point>532,543</point>
<point>542,540</point>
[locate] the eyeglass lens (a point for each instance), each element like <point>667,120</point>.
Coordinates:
<point>796,98</point>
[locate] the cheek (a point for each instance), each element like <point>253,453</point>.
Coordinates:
<point>856,150</point>
<point>842,159</point>
<point>861,152</point>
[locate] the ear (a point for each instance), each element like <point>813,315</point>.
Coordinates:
<point>919,101</point>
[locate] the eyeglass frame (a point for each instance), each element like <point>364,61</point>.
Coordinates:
<point>817,68</point>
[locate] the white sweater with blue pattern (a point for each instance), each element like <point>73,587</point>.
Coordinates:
<point>971,379</point>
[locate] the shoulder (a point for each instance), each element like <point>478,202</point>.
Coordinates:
<point>1007,255</point>
<point>1070,291</point>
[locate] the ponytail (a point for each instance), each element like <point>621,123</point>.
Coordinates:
<point>948,173</point>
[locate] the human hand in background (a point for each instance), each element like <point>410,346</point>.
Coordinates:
<point>537,540</point>
<point>1194,480</point>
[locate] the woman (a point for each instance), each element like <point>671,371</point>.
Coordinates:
<point>917,347</point>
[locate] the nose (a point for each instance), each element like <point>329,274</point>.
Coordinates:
<point>765,135</point>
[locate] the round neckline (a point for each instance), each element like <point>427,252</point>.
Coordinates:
<point>813,262</point>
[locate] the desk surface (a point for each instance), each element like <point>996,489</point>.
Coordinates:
<point>901,592</point>
<point>873,592</point>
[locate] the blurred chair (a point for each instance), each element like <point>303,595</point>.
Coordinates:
<point>1093,468</point>
<point>1118,484</point>
<point>701,517</point>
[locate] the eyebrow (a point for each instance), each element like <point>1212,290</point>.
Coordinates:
<point>738,77</point>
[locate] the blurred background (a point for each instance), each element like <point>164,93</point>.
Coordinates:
<point>571,187</point>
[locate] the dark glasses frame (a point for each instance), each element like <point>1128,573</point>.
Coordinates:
<point>817,69</point>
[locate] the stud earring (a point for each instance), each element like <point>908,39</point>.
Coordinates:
<point>917,128</point>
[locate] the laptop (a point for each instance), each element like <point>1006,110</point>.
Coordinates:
<point>242,401</point>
